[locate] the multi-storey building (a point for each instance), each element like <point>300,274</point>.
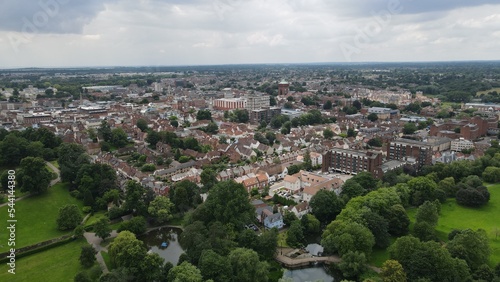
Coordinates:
<point>410,150</point>
<point>461,144</point>
<point>256,116</point>
<point>353,162</point>
<point>226,104</point>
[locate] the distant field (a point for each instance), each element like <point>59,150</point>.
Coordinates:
<point>36,217</point>
<point>454,216</point>
<point>486,91</point>
<point>58,264</point>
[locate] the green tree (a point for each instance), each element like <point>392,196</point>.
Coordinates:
<point>185,272</point>
<point>289,217</point>
<point>126,251</point>
<point>353,264</point>
<point>491,174</point>
<point>33,176</point>
<point>311,224</point>
<point>208,178</point>
<point>246,267</point>
<point>151,268</point>
<point>105,131</point>
<point>409,128</point>
<point>351,189</point>
<point>351,132</point>
<point>204,115</point>
<point>87,256</point>
<point>421,189</point>
<point>372,117</point>
<point>227,203</point>
<point>399,222</point>
<point>428,212</point>
<point>69,217</point>
<point>71,158</point>
<point>136,225</point>
<point>96,178</point>
<point>142,124</point>
<point>161,209</point>
<point>328,105</point>
<point>12,150</point>
<point>471,246</point>
<point>344,237</point>
<point>392,271</point>
<point>328,133</point>
<point>448,186</point>
<point>118,138</point>
<point>326,206</point>
<point>214,266</point>
<point>102,228</point>
<point>307,163</point>
<point>295,235</point>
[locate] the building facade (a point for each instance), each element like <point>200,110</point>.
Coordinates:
<point>410,150</point>
<point>352,162</point>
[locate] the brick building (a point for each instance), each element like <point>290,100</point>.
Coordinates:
<point>352,162</point>
<point>283,88</point>
<point>410,150</point>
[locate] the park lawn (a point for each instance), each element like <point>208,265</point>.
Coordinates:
<point>36,217</point>
<point>379,256</point>
<point>95,217</point>
<point>454,216</point>
<point>57,264</point>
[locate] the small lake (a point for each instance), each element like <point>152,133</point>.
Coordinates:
<point>155,238</point>
<point>308,274</point>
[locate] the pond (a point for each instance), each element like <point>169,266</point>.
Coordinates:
<point>308,274</point>
<point>155,238</point>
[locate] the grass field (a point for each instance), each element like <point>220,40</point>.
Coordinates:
<point>486,91</point>
<point>58,264</point>
<point>107,260</point>
<point>36,217</point>
<point>454,216</point>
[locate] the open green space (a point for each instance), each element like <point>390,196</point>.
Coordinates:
<point>454,216</point>
<point>36,217</point>
<point>107,259</point>
<point>497,89</point>
<point>55,163</point>
<point>57,264</point>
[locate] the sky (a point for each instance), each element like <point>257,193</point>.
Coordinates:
<point>73,33</point>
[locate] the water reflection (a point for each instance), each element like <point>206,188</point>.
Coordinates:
<point>155,238</point>
<point>308,274</point>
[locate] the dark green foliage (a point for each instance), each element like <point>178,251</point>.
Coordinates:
<point>483,273</point>
<point>204,115</point>
<point>295,235</point>
<point>227,203</point>
<point>399,222</point>
<point>87,256</point>
<point>136,225</point>
<point>71,158</point>
<point>33,176</point>
<point>102,228</point>
<point>214,266</point>
<point>473,197</point>
<point>326,206</point>
<point>96,178</point>
<point>69,217</point>
<point>342,237</point>
<point>471,246</point>
<point>428,260</point>
<point>142,124</point>
<point>353,264</point>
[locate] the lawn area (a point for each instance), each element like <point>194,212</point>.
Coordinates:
<point>454,216</point>
<point>36,217</point>
<point>55,163</point>
<point>282,240</point>
<point>95,218</point>
<point>57,264</point>
<point>107,260</point>
<point>497,89</point>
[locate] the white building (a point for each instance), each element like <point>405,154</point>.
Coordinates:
<point>458,145</point>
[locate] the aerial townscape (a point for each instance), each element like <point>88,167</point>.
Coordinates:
<point>114,168</point>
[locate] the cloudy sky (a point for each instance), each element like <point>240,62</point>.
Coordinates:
<point>48,33</point>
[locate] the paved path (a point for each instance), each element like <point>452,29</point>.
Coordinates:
<point>57,171</point>
<point>96,243</point>
<point>52,183</point>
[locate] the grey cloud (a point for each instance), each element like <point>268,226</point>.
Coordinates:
<point>48,16</point>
